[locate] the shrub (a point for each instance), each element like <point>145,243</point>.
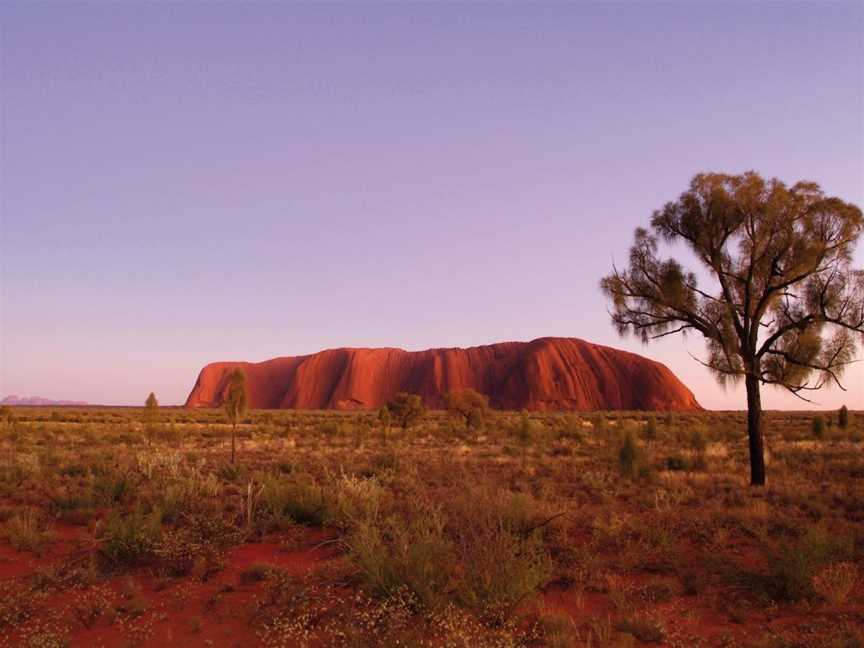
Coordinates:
<point>470,404</point>
<point>628,455</point>
<point>818,427</point>
<point>644,629</point>
<point>356,500</point>
<point>677,463</point>
<point>384,421</point>
<point>697,442</point>
<point>500,551</point>
<point>843,417</point>
<point>570,427</point>
<point>131,539</point>
<point>197,547</point>
<point>110,489</point>
<point>28,531</point>
<point>651,429</point>
<point>793,568</point>
<point>256,573</point>
<point>297,498</point>
<point>229,473</point>
<point>407,409</point>
<point>526,434</point>
<point>397,553</point>
<point>501,570</point>
<point>671,421</point>
<point>476,420</point>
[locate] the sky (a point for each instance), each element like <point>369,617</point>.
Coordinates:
<point>185,183</point>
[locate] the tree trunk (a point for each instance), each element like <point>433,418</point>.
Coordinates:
<point>754,431</point>
<point>233,441</point>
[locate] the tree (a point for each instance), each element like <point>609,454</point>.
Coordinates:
<point>470,404</point>
<point>843,417</point>
<point>384,420</point>
<point>406,408</point>
<point>651,429</point>
<point>785,306</point>
<point>817,426</point>
<point>235,404</point>
<point>151,416</point>
<point>526,433</point>
<point>628,455</point>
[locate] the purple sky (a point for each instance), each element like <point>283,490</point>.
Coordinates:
<point>184,184</point>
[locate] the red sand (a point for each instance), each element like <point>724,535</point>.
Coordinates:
<point>184,611</point>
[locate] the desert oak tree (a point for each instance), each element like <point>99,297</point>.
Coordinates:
<point>785,307</point>
<point>235,404</point>
<point>151,415</point>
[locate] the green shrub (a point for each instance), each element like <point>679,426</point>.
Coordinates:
<point>406,409</point>
<point>500,550</point>
<point>131,539</point>
<point>526,434</point>
<point>628,455</point>
<point>843,417</point>
<point>397,553</point>
<point>355,500</point>
<point>792,568</point>
<point>110,489</point>
<point>501,569</point>
<point>296,498</point>
<point>818,427</point>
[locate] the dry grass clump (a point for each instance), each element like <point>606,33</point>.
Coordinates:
<point>28,530</point>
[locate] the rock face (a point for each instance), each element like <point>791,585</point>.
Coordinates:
<point>545,374</point>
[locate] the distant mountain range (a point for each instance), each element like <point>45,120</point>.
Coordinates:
<point>36,400</point>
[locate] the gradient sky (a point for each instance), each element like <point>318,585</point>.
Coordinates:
<point>190,183</point>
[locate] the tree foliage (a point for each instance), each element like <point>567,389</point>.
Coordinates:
<point>470,404</point>
<point>151,415</point>
<point>843,417</point>
<point>384,420</point>
<point>406,409</point>
<point>235,400</point>
<point>235,404</point>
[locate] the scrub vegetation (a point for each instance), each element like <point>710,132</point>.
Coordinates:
<point>470,527</point>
